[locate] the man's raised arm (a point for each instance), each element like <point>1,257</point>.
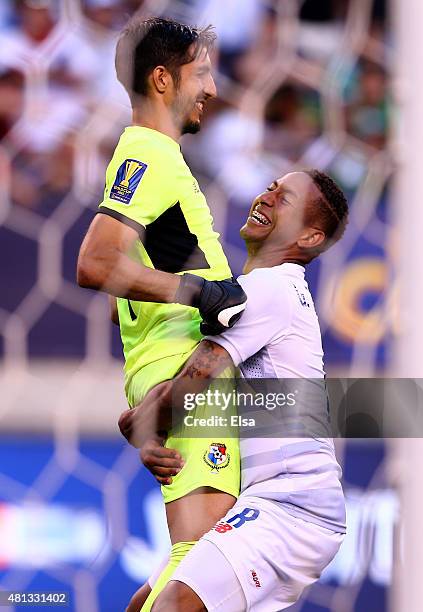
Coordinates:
<point>104,265</point>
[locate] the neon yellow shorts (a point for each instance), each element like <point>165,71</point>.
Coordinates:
<point>211,460</point>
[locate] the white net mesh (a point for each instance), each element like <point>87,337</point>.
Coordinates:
<point>299,86</point>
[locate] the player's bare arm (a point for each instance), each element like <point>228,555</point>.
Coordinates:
<point>150,420</point>
<point>104,264</point>
<point>146,425</point>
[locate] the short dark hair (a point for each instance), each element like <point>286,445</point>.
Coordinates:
<point>329,211</point>
<point>143,45</point>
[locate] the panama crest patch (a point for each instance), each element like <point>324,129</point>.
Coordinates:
<point>217,456</point>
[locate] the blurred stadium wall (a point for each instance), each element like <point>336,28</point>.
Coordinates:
<point>301,84</point>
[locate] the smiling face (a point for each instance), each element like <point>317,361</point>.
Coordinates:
<point>277,219</point>
<point>194,87</point>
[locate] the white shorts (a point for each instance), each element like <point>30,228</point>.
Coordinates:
<point>259,551</point>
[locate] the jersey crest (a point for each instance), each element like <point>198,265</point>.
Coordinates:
<point>217,457</point>
<point>127,180</point>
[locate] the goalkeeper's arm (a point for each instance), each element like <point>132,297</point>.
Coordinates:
<point>104,265</point>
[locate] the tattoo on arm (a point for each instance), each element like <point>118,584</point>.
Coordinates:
<point>208,360</point>
<point>206,363</point>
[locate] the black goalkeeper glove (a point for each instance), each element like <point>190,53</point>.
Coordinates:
<point>221,303</point>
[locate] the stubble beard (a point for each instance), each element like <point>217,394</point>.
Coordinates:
<point>185,124</point>
<point>191,127</point>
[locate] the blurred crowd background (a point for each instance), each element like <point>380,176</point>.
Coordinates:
<point>301,84</point>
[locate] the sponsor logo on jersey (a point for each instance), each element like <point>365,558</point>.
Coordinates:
<point>255,578</point>
<point>127,179</point>
<point>217,457</point>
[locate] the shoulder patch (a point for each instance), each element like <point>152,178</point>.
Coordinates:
<point>127,180</point>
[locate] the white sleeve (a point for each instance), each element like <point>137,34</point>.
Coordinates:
<point>267,316</point>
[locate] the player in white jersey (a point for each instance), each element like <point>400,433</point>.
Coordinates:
<point>289,520</point>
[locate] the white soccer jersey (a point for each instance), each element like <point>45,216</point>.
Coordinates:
<point>279,336</point>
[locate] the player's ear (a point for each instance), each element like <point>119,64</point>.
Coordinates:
<point>160,79</point>
<point>311,238</point>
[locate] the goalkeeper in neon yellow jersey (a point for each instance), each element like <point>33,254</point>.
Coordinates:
<point>153,246</point>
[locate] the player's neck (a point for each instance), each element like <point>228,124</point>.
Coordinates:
<point>150,117</point>
<point>261,258</point>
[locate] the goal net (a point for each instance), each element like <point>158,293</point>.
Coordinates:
<point>301,85</point>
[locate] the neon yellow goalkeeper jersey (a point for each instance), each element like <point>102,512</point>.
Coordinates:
<point>150,188</point>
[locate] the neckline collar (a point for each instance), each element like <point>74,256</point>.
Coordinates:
<point>156,133</point>
<point>294,267</point>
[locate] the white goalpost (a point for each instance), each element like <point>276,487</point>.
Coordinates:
<point>407,17</point>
